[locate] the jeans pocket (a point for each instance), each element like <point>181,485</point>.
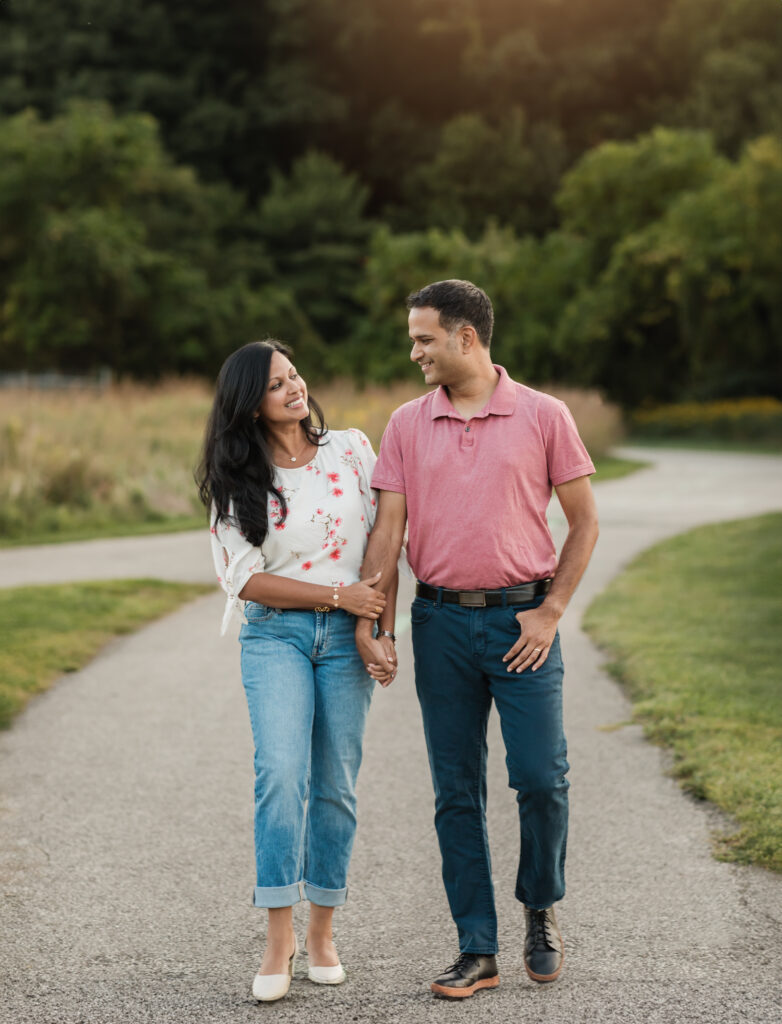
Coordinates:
<point>421,611</point>
<point>256,613</point>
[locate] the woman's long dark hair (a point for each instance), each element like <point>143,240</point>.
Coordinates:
<point>236,462</point>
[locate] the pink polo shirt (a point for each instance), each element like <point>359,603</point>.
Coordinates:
<point>477,490</point>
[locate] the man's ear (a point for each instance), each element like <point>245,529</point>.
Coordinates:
<point>469,338</point>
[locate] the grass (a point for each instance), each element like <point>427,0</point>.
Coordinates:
<point>708,444</point>
<point>51,630</point>
<point>609,467</point>
<point>693,628</point>
<point>78,465</point>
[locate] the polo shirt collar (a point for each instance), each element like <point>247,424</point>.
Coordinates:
<point>501,403</point>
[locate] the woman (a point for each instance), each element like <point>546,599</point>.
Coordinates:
<point>291,510</point>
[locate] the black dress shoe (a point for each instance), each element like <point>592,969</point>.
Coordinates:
<point>543,952</point>
<point>470,972</point>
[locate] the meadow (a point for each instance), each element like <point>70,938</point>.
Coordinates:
<point>79,464</point>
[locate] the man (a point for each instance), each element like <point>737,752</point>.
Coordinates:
<point>471,466</point>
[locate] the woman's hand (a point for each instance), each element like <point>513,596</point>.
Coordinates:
<point>379,657</point>
<point>362,599</point>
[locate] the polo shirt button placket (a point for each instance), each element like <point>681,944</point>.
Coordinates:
<point>468,437</point>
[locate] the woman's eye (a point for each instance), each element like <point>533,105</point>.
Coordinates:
<point>274,387</point>
<point>294,375</point>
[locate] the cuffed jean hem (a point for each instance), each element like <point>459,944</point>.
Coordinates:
<point>483,951</point>
<point>324,897</point>
<point>273,896</point>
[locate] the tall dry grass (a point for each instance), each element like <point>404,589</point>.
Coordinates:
<point>79,462</point>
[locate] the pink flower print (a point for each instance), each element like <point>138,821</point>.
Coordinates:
<point>344,542</point>
<point>213,530</point>
<point>318,511</point>
<point>335,555</point>
<point>362,519</point>
<point>332,533</point>
<point>333,477</point>
<point>374,502</point>
<point>337,492</point>
<point>306,565</point>
<point>323,547</point>
<point>219,579</point>
<point>348,451</point>
<point>338,521</point>
<point>355,472</point>
<point>279,526</point>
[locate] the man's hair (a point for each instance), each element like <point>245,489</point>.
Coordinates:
<point>459,303</point>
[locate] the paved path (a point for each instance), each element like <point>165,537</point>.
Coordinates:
<point>125,827</point>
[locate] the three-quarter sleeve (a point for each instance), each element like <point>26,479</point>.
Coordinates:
<point>235,561</point>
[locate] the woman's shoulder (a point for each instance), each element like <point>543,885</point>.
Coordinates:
<point>350,440</point>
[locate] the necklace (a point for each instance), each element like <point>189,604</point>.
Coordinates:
<point>293,458</point>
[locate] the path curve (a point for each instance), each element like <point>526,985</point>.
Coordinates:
<point>125,825</point>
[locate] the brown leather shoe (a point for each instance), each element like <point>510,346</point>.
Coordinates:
<point>470,972</point>
<point>543,947</point>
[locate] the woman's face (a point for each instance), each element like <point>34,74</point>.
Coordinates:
<point>285,400</point>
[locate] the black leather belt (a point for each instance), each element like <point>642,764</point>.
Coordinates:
<point>483,598</point>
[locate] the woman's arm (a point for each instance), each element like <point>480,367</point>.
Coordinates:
<point>281,592</point>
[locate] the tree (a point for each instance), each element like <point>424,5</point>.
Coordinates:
<point>111,254</point>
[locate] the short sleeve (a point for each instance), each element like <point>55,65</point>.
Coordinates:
<point>235,560</point>
<point>566,455</point>
<point>389,474</point>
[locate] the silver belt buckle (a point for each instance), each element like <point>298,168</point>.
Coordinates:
<point>472,598</point>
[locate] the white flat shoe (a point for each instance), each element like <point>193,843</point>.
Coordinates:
<point>268,987</point>
<point>327,975</point>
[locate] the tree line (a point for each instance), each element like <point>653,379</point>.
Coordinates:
<point>177,178</point>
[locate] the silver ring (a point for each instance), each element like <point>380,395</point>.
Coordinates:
<point>537,648</point>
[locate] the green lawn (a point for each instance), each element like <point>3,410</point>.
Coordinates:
<point>46,631</point>
<point>610,468</point>
<point>102,527</point>
<point>694,628</point>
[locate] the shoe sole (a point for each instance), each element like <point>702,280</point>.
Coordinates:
<point>463,993</point>
<point>543,978</point>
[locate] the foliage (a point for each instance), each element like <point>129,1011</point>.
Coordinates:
<point>593,163</point>
<point>714,701</point>
<point>113,256</point>
<point>740,419</point>
<point>690,304</point>
<point>37,648</point>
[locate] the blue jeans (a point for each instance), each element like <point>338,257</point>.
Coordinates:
<point>308,694</point>
<point>459,670</point>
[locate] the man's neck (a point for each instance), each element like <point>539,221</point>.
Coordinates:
<point>470,395</point>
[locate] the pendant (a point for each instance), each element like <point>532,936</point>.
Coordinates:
<point>293,458</point>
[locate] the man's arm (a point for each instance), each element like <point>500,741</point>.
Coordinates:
<point>385,543</point>
<point>539,625</point>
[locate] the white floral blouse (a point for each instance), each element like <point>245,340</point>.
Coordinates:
<point>331,510</point>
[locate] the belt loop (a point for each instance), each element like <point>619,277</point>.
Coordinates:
<point>439,599</point>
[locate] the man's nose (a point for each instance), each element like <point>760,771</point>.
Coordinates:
<point>415,352</point>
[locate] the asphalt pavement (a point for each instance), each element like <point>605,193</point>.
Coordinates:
<point>126,861</point>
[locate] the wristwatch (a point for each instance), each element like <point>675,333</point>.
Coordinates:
<point>388,633</point>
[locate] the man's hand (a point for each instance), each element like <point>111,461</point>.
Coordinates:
<point>538,629</point>
<point>378,655</point>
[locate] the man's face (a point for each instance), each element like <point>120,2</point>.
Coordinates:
<point>437,352</point>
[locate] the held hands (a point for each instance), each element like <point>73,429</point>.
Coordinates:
<point>362,599</point>
<point>538,629</point>
<point>378,655</point>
